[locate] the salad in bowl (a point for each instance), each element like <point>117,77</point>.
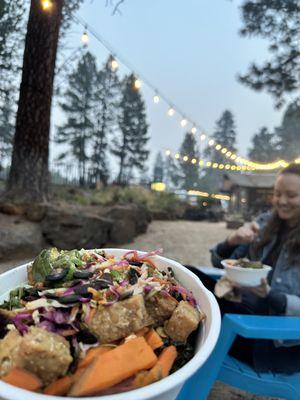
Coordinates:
<point>102,322</point>
<point>245,272</point>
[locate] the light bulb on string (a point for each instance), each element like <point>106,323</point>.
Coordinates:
<point>202,137</point>
<point>85,38</point>
<point>168,152</point>
<point>47,5</point>
<point>156,98</point>
<point>194,130</point>
<point>211,142</point>
<point>183,122</point>
<point>114,64</point>
<point>136,84</point>
<point>171,112</point>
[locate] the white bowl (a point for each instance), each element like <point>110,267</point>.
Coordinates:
<point>166,389</point>
<point>249,277</point>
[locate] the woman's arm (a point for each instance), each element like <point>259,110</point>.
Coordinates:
<point>223,250</point>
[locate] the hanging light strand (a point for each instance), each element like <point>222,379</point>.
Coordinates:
<point>172,110</point>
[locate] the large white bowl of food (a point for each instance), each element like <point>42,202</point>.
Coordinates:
<point>245,272</point>
<point>106,324</point>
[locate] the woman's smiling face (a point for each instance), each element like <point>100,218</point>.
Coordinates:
<point>286,196</point>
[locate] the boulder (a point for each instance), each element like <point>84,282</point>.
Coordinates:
<point>19,237</point>
<point>35,212</point>
<point>128,221</point>
<point>74,228</point>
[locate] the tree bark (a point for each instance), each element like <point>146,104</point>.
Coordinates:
<point>29,174</point>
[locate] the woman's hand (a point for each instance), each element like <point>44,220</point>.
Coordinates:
<point>262,290</point>
<point>244,235</point>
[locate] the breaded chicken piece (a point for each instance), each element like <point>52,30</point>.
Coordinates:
<point>119,320</point>
<point>160,308</point>
<point>184,320</point>
<point>44,353</point>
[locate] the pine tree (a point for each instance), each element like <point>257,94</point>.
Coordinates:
<point>189,171</point>
<point>277,21</point>
<point>107,97</point>
<point>172,173</point>
<point>263,146</point>
<point>158,170</point>
<point>79,106</point>
<point>11,38</point>
<point>130,147</point>
<point>29,173</point>
<point>225,135</point>
<point>289,133</point>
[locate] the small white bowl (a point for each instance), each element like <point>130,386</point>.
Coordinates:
<point>250,277</point>
<point>166,389</point>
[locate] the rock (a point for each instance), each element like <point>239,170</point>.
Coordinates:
<point>161,215</point>
<point>74,228</point>
<point>19,237</point>
<point>35,212</point>
<point>128,221</point>
<point>12,209</point>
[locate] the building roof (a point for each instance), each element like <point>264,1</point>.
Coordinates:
<point>252,180</point>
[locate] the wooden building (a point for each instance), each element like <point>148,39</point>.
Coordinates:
<point>249,192</point>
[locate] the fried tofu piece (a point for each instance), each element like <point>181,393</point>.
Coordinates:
<point>160,308</point>
<point>44,353</point>
<point>184,320</point>
<point>10,356</point>
<point>119,320</point>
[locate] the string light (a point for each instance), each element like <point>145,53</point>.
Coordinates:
<point>156,98</point>
<point>217,196</point>
<point>183,122</point>
<point>171,112</point>
<point>209,164</point>
<point>85,38</point>
<point>137,84</point>
<point>194,130</point>
<point>250,165</point>
<point>47,5</point>
<point>114,64</point>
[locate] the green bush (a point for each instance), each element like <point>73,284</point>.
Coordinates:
<point>110,195</point>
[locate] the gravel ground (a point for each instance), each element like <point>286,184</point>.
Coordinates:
<point>189,243</point>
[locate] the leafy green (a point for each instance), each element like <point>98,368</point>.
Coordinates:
<point>43,264</point>
<point>51,259</point>
<point>116,276</point>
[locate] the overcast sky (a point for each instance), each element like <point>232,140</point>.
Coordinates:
<point>191,52</point>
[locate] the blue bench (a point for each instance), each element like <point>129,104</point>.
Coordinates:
<point>221,366</point>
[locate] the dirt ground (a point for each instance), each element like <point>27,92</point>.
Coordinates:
<point>189,243</point>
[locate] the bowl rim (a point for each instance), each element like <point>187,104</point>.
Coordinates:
<point>158,388</point>
<point>265,267</point>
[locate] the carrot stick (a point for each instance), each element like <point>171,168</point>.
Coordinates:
<point>153,339</point>
<point>23,379</point>
<point>91,354</point>
<point>114,366</point>
<point>160,370</point>
<point>59,387</point>
<point>166,359</point>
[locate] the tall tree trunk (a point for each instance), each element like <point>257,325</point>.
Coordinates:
<point>29,174</point>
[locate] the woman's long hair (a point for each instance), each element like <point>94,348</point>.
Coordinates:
<point>275,224</point>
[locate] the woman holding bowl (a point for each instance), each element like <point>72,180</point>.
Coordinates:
<point>273,239</point>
